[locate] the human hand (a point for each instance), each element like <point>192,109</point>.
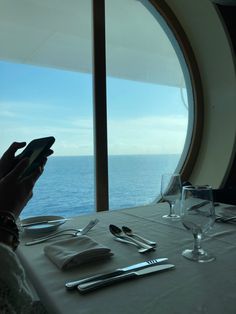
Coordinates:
<point>15,193</point>
<point>9,160</point>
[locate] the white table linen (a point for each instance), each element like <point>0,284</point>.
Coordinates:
<point>190,288</point>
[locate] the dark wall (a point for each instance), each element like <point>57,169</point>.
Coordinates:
<point>228,13</point>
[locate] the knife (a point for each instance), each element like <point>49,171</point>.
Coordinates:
<point>35,223</point>
<point>199,205</point>
<point>73,284</point>
<point>92,285</point>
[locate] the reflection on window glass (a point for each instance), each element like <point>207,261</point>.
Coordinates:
<point>147,102</point>
<point>46,89</point>
<point>37,102</point>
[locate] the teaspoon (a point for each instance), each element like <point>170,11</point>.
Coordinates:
<point>117,232</point>
<point>130,233</point>
<point>140,249</point>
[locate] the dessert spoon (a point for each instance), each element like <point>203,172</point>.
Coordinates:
<point>117,232</point>
<point>130,233</point>
<point>140,249</point>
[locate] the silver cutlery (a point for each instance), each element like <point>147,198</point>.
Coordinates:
<point>130,233</point>
<point>201,204</point>
<point>92,285</point>
<point>75,232</point>
<point>43,222</point>
<point>61,233</point>
<point>225,218</point>
<point>89,226</point>
<point>140,248</point>
<point>117,232</point>
<point>73,284</point>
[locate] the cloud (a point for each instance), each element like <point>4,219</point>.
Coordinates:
<point>146,135</point>
<point>149,135</point>
<point>7,114</point>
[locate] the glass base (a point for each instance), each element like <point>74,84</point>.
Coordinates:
<point>200,256</point>
<point>171,216</point>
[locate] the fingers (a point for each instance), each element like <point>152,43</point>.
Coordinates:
<point>49,152</point>
<point>10,152</point>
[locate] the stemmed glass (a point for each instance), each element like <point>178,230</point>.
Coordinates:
<point>197,215</point>
<point>171,192</point>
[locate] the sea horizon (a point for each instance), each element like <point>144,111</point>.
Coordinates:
<point>66,188</point>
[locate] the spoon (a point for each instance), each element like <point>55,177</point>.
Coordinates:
<point>141,250</point>
<point>117,232</point>
<point>130,233</point>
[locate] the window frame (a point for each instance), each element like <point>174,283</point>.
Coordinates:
<point>193,142</point>
<point>100,107</point>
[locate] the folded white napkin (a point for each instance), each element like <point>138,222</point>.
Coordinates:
<point>75,251</point>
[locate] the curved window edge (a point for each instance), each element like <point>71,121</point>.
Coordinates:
<point>196,118</point>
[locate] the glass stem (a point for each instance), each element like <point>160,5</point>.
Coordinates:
<point>172,211</point>
<point>197,243</point>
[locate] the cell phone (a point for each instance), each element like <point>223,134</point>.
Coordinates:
<point>36,151</point>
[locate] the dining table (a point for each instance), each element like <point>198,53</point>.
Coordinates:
<point>190,287</point>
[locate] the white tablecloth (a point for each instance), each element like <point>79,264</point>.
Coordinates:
<point>190,288</point>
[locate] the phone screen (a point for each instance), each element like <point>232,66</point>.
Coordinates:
<point>35,154</point>
<point>36,151</point>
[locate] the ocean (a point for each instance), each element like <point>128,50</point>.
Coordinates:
<point>66,187</point>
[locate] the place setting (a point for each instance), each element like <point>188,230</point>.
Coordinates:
<point>127,236</point>
<point>126,247</point>
<point>66,253</point>
<point>81,250</point>
<point>44,228</point>
<point>195,212</point>
<point>69,252</point>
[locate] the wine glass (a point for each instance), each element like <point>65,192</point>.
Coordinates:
<point>197,215</point>
<point>171,192</point>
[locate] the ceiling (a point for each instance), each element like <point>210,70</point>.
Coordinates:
<point>57,34</point>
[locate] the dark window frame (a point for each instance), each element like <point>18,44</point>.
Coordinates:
<point>100,105</point>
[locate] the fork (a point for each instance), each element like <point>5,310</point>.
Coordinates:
<point>76,232</point>
<point>225,219</point>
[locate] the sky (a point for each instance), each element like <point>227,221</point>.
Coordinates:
<point>35,102</point>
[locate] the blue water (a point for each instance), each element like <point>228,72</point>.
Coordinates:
<point>67,185</point>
